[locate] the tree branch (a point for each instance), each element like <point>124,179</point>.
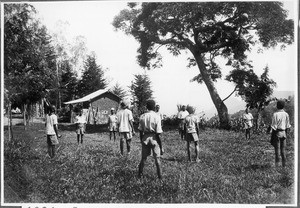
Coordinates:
<point>230,94</point>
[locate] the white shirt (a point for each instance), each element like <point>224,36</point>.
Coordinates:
<point>50,121</point>
<point>182,114</point>
<point>248,120</point>
<point>191,121</point>
<point>280,120</point>
<point>150,122</point>
<point>124,118</point>
<point>80,119</point>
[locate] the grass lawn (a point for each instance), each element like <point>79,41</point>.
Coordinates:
<point>232,170</point>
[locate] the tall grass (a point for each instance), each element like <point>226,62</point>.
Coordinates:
<point>232,170</point>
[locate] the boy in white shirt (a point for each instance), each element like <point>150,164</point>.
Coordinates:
<point>80,121</point>
<point>125,126</point>
<point>279,127</point>
<point>192,132</point>
<point>149,127</point>
<point>51,131</point>
<point>181,116</point>
<point>112,122</point>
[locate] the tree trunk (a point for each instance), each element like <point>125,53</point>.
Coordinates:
<point>219,104</point>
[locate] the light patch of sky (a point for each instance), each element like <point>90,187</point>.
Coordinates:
<point>171,83</point>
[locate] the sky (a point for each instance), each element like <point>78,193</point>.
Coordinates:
<point>116,52</point>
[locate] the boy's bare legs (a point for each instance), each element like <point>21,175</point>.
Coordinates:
<point>188,150</point>
<point>141,166</point>
<point>78,138</point>
<point>128,142</point>
<point>158,166</point>
<point>276,147</point>
<point>282,151</point>
<point>121,145</point>
<point>197,151</point>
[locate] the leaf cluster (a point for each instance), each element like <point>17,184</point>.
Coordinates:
<point>29,59</point>
<point>254,90</point>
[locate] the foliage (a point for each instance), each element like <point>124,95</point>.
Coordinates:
<point>29,59</point>
<point>208,30</point>
<point>254,90</point>
<point>68,82</point>
<point>232,170</point>
<point>141,91</point>
<point>93,77</point>
<point>118,90</point>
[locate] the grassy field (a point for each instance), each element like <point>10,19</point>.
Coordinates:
<point>232,170</point>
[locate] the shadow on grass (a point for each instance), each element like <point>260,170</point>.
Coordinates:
<point>254,167</point>
<point>175,159</point>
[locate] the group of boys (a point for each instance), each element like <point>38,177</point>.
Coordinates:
<point>150,128</point>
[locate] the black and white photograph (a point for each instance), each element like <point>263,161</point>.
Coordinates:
<point>149,103</point>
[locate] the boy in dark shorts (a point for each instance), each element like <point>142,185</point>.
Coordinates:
<point>149,127</point>
<point>51,130</point>
<point>279,127</point>
<point>80,121</point>
<point>192,132</point>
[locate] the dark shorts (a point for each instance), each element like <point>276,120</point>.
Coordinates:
<point>149,143</point>
<point>52,140</point>
<point>191,137</point>
<point>275,139</point>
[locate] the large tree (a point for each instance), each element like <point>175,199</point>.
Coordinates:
<point>92,78</point>
<point>29,59</point>
<point>208,30</point>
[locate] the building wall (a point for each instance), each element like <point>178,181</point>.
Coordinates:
<point>101,107</point>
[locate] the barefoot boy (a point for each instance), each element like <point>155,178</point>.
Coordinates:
<point>112,122</point>
<point>192,131</point>
<point>149,127</point>
<point>51,131</point>
<point>80,121</point>
<point>279,127</point>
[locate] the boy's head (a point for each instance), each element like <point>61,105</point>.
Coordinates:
<point>112,110</point>
<point>190,109</point>
<point>183,108</point>
<point>157,107</point>
<point>280,104</point>
<point>150,104</point>
<point>125,104</point>
<point>51,109</point>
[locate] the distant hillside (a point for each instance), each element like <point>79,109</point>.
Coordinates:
<point>235,104</point>
<point>283,94</point>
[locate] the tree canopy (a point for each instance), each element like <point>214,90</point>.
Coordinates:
<point>207,30</point>
<point>92,78</point>
<point>29,59</point>
<point>141,91</point>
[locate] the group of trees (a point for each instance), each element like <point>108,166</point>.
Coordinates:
<point>40,65</point>
<point>36,66</point>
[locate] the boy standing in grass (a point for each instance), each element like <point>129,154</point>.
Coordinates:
<point>192,132</point>
<point>125,126</point>
<point>51,130</point>
<point>247,118</point>
<point>160,115</point>
<point>181,116</point>
<point>149,127</point>
<point>80,121</point>
<point>112,122</point>
<point>279,127</point>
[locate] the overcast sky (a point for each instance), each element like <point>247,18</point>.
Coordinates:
<point>171,83</point>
